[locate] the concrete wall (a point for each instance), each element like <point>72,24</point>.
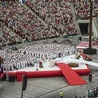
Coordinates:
<point>94,29</point>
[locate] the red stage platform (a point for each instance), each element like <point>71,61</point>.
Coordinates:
<point>69,74</point>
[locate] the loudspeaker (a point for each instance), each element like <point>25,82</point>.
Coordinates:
<point>59,55</point>
<point>24,83</point>
<point>75,96</point>
<point>11,79</point>
<point>4,77</point>
<point>1,70</point>
<point>90,77</point>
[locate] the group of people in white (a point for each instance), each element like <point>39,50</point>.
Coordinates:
<point>29,55</point>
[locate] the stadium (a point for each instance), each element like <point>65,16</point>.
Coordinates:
<point>39,39</point>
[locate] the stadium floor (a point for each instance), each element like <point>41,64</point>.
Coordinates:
<point>49,87</point>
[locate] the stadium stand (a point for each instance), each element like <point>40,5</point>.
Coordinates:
<point>21,23</point>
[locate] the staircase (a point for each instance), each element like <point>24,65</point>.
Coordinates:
<point>12,33</point>
<point>74,18</point>
<point>96,26</point>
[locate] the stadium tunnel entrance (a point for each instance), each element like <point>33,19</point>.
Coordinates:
<point>84,28</point>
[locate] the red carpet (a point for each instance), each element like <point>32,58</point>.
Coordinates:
<point>71,76</point>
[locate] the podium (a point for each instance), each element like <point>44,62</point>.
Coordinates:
<point>4,77</point>
<point>11,78</point>
<point>90,77</point>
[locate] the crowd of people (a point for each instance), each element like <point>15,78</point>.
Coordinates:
<point>82,8</point>
<point>93,93</point>
<point>26,26</point>
<point>28,55</point>
<point>95,8</point>
<point>8,38</point>
<point>57,13</point>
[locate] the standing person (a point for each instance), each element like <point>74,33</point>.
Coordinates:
<point>97,90</point>
<point>80,38</point>
<point>89,94</point>
<point>70,41</point>
<point>61,94</point>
